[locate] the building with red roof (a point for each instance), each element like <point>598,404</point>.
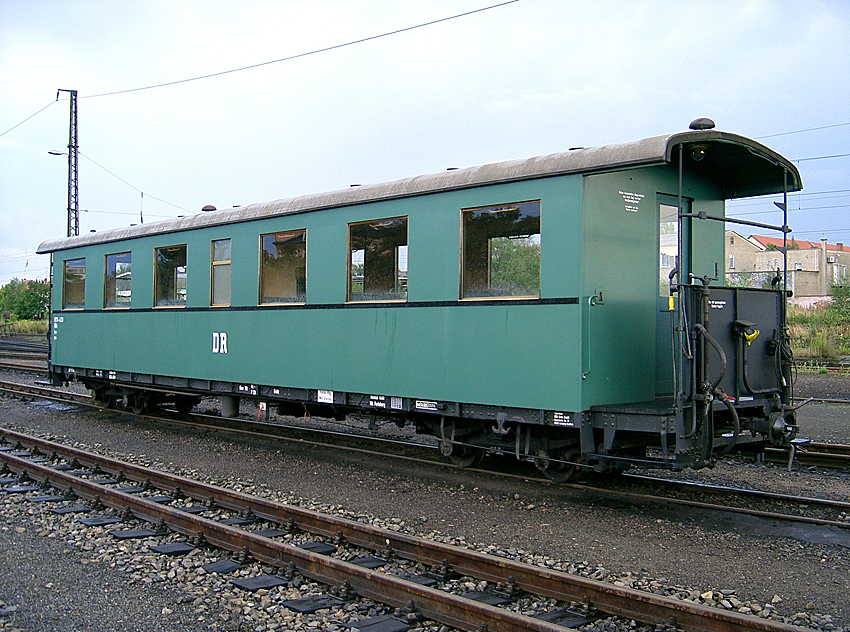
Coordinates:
<point>813,267</point>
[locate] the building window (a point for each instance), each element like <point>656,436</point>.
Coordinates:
<point>283,267</point>
<point>501,251</point>
<point>220,273</point>
<point>377,260</point>
<point>74,284</point>
<point>170,277</point>
<point>731,262</point>
<point>117,280</point>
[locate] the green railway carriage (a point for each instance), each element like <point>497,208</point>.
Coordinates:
<point>561,308</point>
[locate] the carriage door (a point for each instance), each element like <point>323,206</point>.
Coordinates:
<point>668,258</point>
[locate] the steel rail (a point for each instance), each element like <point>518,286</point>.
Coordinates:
<point>829,455</point>
<point>385,446</point>
<point>23,365</point>
<point>739,491</point>
<point>264,429</point>
<point>434,604</point>
<point>771,515</point>
<point>29,390</point>
<point>829,448</point>
<point>608,598</point>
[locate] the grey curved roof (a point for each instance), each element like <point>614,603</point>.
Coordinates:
<point>740,166</point>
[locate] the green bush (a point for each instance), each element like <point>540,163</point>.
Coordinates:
<point>838,309</point>
<point>823,331</point>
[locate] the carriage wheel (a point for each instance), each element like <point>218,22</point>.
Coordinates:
<point>102,398</point>
<point>553,467</point>
<point>185,403</point>
<point>459,454</point>
<point>139,403</point>
<point>466,456</point>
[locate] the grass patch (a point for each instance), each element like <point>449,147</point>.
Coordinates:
<point>29,327</point>
<point>818,333</point>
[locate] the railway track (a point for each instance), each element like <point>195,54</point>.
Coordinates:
<point>826,455</point>
<point>23,352</point>
<point>36,360</point>
<point>752,502</point>
<point>23,365</point>
<point>28,345</point>
<point>194,510</point>
<point>786,507</point>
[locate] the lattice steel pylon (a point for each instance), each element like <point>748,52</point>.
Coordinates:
<point>73,155</point>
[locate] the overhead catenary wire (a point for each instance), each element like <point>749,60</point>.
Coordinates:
<point>819,232</point>
<point>801,131</point>
<point>808,208</point>
<point>300,55</point>
<point>132,187</point>
<point>29,117</point>
<point>273,61</point>
<point>794,196</point>
<point>363,40</point>
<point>821,157</point>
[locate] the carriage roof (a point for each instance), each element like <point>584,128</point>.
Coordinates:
<point>741,167</point>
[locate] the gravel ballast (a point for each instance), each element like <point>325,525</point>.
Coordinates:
<point>734,563</point>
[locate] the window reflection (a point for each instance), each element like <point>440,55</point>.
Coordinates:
<point>377,260</point>
<point>283,267</point>
<point>220,285</point>
<point>501,251</point>
<point>668,245</point>
<point>170,282</point>
<point>118,280</point>
<point>74,284</point>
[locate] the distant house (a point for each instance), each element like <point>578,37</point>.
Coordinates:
<point>813,267</point>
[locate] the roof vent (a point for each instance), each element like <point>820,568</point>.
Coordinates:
<point>701,124</point>
<point>208,208</point>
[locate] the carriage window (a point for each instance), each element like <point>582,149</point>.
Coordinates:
<point>668,245</point>
<point>117,281</point>
<point>283,267</point>
<point>74,284</point>
<point>170,281</point>
<point>501,251</point>
<point>220,285</point>
<point>377,260</point>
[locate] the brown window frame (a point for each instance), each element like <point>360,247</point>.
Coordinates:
<point>300,294</point>
<point>220,264</point>
<point>487,294</point>
<point>106,280</point>
<point>156,285</point>
<point>65,303</point>
<point>397,281</point>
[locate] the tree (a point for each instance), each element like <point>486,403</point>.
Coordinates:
<point>25,300</point>
<point>515,264</point>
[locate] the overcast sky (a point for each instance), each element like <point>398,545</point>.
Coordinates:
<point>528,78</point>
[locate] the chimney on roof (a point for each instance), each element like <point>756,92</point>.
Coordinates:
<point>840,246</point>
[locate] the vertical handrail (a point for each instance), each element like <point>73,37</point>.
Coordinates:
<point>679,385</point>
